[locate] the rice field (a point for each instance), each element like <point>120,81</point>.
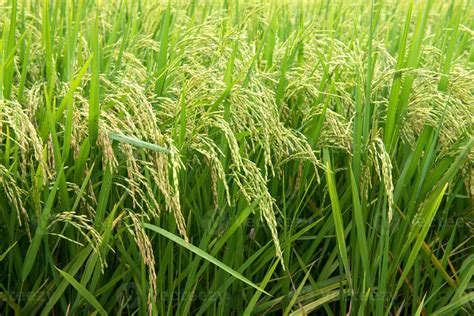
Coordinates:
<point>230,157</point>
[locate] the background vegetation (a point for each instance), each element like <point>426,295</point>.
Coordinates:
<point>236,157</point>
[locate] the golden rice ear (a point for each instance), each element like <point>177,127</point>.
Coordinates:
<point>386,173</point>
<point>22,132</point>
<point>85,227</point>
<point>206,147</point>
<point>146,251</point>
<point>176,165</point>
<point>254,188</point>
<point>15,196</point>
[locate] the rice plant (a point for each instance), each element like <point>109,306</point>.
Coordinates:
<point>230,157</point>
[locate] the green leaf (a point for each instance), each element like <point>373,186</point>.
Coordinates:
<point>338,221</point>
<point>31,253</point>
<point>83,291</point>
<point>203,254</point>
<point>256,296</point>
<point>452,307</point>
<point>5,253</point>
<point>94,109</point>
<point>137,142</point>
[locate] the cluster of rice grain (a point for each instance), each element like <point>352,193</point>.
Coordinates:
<point>187,115</point>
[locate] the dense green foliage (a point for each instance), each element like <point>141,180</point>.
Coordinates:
<point>230,157</point>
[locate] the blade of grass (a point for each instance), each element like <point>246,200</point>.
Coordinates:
<point>338,221</point>
<point>93,126</point>
<point>256,296</point>
<point>137,142</point>
<point>203,255</point>
<point>83,291</point>
<point>32,252</point>
<point>452,307</point>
